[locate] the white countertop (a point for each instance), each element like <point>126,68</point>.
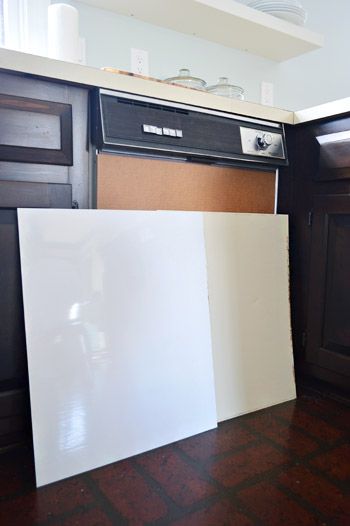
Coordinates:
<point>336,107</point>
<point>15,61</point>
<point>74,73</point>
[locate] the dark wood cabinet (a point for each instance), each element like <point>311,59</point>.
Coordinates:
<point>44,134</point>
<point>315,192</point>
<point>328,327</point>
<point>14,398</point>
<point>44,163</point>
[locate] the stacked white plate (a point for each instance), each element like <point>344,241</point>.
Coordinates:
<point>290,10</point>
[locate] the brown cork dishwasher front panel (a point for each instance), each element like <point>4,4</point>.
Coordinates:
<point>132,183</point>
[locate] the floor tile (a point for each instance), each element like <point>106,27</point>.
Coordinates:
<point>318,492</point>
<point>283,434</point>
<point>221,440</point>
<point>247,464</point>
<point>129,493</point>
<point>308,422</point>
<point>275,508</point>
<point>40,505</point>
<point>94,517</point>
<point>221,513</point>
<point>336,413</point>
<point>336,463</point>
<point>178,479</point>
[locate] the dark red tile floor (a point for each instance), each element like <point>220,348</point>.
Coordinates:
<point>287,465</point>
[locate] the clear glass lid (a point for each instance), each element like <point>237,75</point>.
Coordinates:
<point>225,89</point>
<point>184,78</point>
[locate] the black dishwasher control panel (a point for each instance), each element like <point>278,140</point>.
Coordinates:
<point>128,123</point>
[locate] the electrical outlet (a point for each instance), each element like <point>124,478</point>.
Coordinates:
<point>139,61</point>
<point>267,89</point>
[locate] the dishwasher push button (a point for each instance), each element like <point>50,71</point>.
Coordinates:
<point>155,130</point>
<point>172,133</point>
<point>149,128</point>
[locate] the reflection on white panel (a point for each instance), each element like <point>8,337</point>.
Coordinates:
<point>248,281</point>
<point>118,334</point>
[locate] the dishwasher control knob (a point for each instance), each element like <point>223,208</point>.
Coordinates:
<point>264,140</point>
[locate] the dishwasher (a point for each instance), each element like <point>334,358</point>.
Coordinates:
<point>156,154</point>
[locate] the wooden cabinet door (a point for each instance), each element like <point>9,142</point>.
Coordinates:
<point>44,134</point>
<point>14,398</point>
<point>35,131</point>
<point>328,334</point>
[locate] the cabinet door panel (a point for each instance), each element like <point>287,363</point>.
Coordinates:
<point>12,337</point>
<point>329,298</point>
<point>337,300</point>
<point>45,129</point>
<point>35,131</point>
<point>14,397</point>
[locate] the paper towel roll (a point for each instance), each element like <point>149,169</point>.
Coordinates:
<point>63,32</point>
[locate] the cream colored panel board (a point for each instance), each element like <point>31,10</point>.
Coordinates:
<point>248,280</point>
<point>118,334</point>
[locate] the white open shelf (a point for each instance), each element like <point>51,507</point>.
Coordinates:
<point>225,22</point>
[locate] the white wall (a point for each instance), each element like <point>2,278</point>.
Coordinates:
<point>323,75</point>
<point>109,39</point>
<point>312,79</point>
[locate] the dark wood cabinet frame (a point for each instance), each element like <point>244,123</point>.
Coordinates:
<point>24,154</point>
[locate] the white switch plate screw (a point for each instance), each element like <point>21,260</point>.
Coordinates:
<point>267,92</point>
<point>139,61</point>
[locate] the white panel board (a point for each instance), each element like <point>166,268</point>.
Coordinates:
<point>118,334</point>
<point>248,280</point>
